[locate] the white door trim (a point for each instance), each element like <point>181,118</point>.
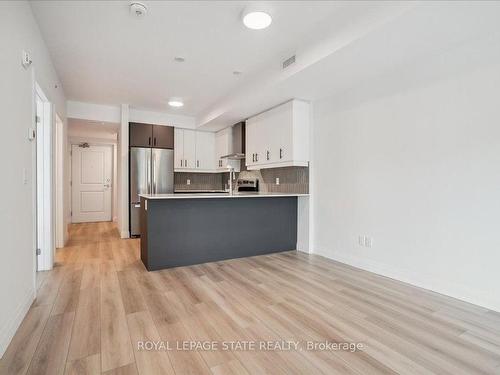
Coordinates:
<point>59,157</point>
<point>43,184</point>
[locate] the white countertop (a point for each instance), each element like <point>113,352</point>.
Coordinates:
<point>220,195</point>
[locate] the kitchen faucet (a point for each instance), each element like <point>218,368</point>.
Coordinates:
<point>231,178</point>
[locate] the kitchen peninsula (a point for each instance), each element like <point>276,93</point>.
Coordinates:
<point>185,229</point>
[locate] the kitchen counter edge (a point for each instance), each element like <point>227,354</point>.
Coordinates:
<point>209,195</point>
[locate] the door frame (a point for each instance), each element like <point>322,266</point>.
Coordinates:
<point>61,230</point>
<point>44,237</point>
<point>75,141</point>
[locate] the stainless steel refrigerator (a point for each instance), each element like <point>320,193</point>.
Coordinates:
<point>151,172</point>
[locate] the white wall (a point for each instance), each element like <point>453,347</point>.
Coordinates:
<point>418,169</point>
<point>18,31</point>
<point>123,203</point>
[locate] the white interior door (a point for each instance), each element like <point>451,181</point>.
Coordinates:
<point>91,183</point>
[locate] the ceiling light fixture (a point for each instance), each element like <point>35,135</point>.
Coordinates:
<point>179,59</point>
<point>175,103</point>
<point>237,72</point>
<point>256,19</point>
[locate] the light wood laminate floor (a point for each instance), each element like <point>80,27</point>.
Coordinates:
<point>99,302</point>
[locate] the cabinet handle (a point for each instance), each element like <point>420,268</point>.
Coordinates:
<point>149,141</point>
<point>185,162</point>
<point>253,158</point>
<point>267,155</point>
<point>197,164</point>
<point>181,163</point>
<point>256,157</point>
<point>281,153</point>
<point>154,141</point>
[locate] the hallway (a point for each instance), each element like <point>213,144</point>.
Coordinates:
<point>99,303</point>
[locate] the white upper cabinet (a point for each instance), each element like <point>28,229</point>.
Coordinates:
<point>224,146</point>
<point>205,151</point>
<point>194,151</point>
<point>178,148</point>
<point>189,148</point>
<point>251,141</point>
<point>279,137</point>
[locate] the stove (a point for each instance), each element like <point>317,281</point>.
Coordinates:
<point>247,184</point>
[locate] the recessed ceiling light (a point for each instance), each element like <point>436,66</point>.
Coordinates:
<point>179,59</point>
<point>237,72</point>
<point>257,19</point>
<point>175,103</point>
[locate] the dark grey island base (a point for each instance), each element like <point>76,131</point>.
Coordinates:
<point>181,232</point>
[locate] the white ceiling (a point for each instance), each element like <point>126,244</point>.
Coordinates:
<point>105,56</point>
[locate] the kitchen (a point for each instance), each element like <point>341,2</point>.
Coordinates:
<point>235,213</point>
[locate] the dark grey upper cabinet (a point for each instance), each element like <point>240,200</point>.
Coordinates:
<point>141,135</point>
<point>163,136</point>
<point>147,135</point>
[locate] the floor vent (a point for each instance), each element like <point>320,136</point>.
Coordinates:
<point>288,62</point>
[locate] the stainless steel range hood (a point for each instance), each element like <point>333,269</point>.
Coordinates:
<point>238,143</point>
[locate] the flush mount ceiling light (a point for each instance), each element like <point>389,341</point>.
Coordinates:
<point>179,59</point>
<point>175,103</point>
<point>256,19</point>
<point>138,9</point>
<point>237,72</point>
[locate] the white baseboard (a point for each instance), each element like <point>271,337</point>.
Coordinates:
<point>9,328</point>
<point>419,279</point>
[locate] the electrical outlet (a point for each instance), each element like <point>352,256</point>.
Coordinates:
<point>277,180</point>
<point>26,60</point>
<point>188,182</point>
<point>368,241</point>
<point>361,241</point>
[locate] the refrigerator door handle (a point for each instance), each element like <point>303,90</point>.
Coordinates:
<point>148,174</point>
<point>154,172</point>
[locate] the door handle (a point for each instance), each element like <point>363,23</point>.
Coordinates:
<point>154,175</point>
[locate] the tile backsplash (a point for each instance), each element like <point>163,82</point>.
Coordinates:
<point>291,180</point>
<point>198,181</point>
